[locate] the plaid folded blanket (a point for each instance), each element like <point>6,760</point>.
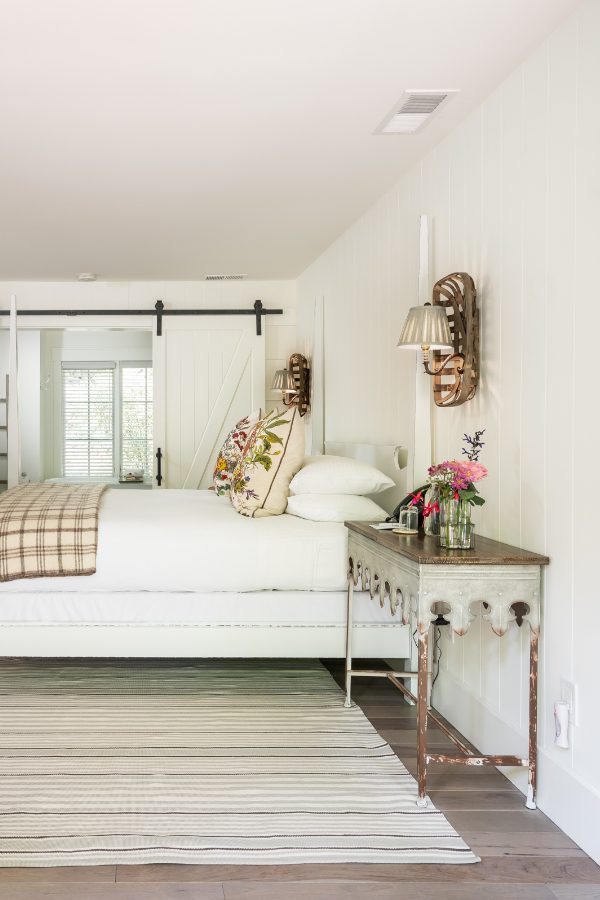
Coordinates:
<point>48,530</point>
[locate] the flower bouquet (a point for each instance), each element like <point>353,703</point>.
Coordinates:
<point>454,494</point>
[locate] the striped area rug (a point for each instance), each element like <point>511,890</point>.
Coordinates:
<point>220,762</point>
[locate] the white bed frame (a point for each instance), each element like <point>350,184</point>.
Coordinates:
<point>204,641</point>
<point>201,640</point>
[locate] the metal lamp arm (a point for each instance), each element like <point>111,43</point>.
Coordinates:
<point>443,363</point>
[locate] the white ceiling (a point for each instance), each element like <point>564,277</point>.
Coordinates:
<point>169,139</point>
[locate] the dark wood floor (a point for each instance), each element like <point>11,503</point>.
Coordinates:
<point>524,855</point>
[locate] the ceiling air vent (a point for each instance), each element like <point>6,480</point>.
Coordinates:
<point>413,110</point>
<point>224,277</point>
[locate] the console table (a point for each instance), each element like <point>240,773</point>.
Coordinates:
<point>411,574</point>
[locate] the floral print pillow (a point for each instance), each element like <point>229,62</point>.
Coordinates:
<point>232,451</point>
<point>273,455</point>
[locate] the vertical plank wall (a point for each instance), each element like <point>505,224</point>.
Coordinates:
<point>513,195</point>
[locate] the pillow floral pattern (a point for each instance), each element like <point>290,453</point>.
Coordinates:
<point>231,453</point>
<point>273,455</point>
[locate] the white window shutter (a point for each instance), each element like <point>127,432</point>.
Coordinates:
<point>88,421</point>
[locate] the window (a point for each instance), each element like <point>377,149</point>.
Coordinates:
<point>136,417</point>
<point>107,419</point>
<point>88,421</point>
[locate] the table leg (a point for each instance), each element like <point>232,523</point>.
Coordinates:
<point>348,701</point>
<point>533,683</point>
<point>422,680</point>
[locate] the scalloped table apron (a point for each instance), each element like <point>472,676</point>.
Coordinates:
<point>411,574</point>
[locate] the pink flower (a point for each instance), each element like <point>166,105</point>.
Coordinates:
<point>475,471</point>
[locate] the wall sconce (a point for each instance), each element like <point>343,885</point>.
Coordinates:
<point>449,328</point>
<point>294,383</point>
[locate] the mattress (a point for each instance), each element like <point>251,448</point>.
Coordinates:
<point>177,541</point>
<point>302,608</point>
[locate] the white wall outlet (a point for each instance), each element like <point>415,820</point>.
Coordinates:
<point>568,693</point>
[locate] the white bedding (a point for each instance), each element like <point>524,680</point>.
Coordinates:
<point>177,541</point>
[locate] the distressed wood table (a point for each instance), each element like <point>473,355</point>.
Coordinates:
<point>411,574</point>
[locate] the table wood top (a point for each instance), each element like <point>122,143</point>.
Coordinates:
<point>425,550</point>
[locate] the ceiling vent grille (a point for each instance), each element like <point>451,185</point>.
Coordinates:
<point>224,277</point>
<point>413,110</point>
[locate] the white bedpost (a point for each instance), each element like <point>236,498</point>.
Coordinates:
<point>423,434</point>
<point>13,446</point>
<point>317,380</point>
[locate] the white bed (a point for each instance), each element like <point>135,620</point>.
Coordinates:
<point>181,573</point>
<point>177,540</point>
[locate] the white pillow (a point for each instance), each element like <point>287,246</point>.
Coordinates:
<point>338,475</point>
<point>335,508</point>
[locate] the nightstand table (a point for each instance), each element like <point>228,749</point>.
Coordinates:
<point>411,574</point>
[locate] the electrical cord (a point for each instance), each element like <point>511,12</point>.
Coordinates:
<point>437,653</point>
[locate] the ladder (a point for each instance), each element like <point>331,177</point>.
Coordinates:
<point>4,432</point>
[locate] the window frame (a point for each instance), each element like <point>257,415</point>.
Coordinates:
<point>117,440</point>
<point>100,364</point>
<point>130,364</point>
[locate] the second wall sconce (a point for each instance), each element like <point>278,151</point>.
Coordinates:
<point>294,383</point>
<point>449,328</point>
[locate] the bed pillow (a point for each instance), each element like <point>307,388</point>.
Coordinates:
<point>335,508</point>
<point>273,455</point>
<point>338,475</point>
<point>231,452</point>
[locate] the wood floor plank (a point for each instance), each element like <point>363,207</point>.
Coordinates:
<point>390,710</point>
<point>531,820</point>
<point>522,843</point>
<point>59,874</point>
<point>575,892</point>
<point>477,800</point>
<point>402,723</point>
<point>408,738</point>
<point>493,869</point>
<point>319,890</point>
<point>165,891</point>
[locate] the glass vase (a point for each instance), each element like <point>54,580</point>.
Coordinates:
<point>456,530</point>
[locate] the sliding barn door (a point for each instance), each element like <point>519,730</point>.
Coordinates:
<point>209,372</point>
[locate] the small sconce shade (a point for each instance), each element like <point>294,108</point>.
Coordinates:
<point>426,326</point>
<point>283,381</point>
<point>293,383</point>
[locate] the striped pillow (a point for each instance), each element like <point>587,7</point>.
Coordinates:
<point>273,455</point>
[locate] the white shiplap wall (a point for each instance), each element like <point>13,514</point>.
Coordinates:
<point>513,195</point>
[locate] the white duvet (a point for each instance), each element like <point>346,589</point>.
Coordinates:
<point>174,540</point>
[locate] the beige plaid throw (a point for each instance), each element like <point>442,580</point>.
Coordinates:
<point>48,530</point>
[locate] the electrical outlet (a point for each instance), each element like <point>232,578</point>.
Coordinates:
<point>568,693</point>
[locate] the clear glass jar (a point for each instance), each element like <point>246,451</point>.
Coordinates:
<point>456,529</point>
<point>408,519</point>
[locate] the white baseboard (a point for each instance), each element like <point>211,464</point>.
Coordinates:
<point>572,804</point>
